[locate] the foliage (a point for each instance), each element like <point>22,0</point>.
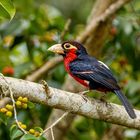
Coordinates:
<point>7,9</point>
<point>16,134</point>
<point>23,49</point>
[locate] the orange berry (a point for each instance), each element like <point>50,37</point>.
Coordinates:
<point>8,40</point>
<point>8,70</point>
<point>123,62</point>
<point>3,110</point>
<point>113,31</point>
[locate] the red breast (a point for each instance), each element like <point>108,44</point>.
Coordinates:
<point>67,60</point>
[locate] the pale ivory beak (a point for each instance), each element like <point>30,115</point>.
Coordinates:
<point>57,48</point>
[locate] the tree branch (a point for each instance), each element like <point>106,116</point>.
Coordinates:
<point>66,29</point>
<point>43,70</point>
<point>55,123</point>
<point>74,103</point>
<point>94,23</point>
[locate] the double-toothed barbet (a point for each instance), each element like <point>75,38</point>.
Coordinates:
<point>89,71</point>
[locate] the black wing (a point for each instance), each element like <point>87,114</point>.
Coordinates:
<point>94,71</point>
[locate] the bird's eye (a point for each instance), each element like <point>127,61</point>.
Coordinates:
<point>67,46</point>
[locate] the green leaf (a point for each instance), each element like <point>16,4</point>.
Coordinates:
<point>32,137</point>
<point>7,9</point>
<point>31,105</point>
<point>133,86</point>
<point>3,118</point>
<point>4,59</point>
<point>39,129</point>
<point>42,138</point>
<point>15,132</point>
<point>28,137</point>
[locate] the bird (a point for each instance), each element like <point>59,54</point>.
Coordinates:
<point>89,71</point>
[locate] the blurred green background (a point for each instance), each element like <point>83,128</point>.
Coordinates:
<point>37,25</point>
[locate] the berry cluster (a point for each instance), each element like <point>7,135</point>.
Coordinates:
<point>34,132</point>
<point>22,102</point>
<point>7,110</point>
<point>31,131</point>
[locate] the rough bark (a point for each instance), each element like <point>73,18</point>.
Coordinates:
<point>69,101</point>
<point>95,42</point>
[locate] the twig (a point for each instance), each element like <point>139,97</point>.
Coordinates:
<point>55,123</point>
<point>43,70</point>
<point>66,28</point>
<point>134,11</point>
<point>13,102</point>
<point>52,134</point>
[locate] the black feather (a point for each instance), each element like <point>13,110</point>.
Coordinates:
<point>100,74</point>
<point>126,103</point>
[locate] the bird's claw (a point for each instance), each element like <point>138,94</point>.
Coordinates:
<point>102,98</point>
<point>84,92</point>
<point>86,99</point>
<point>83,96</point>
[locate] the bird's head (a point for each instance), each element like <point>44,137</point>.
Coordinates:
<point>68,47</point>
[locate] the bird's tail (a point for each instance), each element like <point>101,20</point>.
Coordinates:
<point>126,104</point>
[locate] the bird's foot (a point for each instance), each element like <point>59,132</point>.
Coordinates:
<point>102,98</point>
<point>84,92</point>
<point>85,98</point>
<point>83,95</point>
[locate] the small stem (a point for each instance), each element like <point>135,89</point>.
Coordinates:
<point>55,123</point>
<point>52,134</point>
<point>14,106</point>
<point>65,30</point>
